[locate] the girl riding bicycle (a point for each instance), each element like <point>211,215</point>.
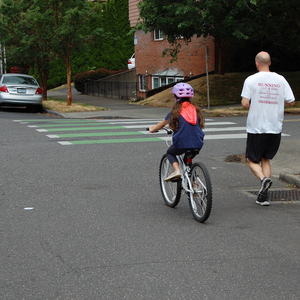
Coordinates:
<point>187,122</point>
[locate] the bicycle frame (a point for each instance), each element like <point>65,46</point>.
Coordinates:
<point>185,170</point>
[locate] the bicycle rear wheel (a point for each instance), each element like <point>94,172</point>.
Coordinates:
<point>201,200</point>
<point>171,191</point>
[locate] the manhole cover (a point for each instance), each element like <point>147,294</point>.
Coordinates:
<point>282,195</point>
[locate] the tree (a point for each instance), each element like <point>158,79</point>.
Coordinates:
<point>72,30</point>
<point>27,42</point>
<point>39,30</point>
<point>224,20</point>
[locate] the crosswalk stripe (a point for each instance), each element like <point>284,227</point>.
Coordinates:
<point>216,137</point>
<point>109,141</point>
<point>95,134</point>
<point>221,136</point>
<point>104,128</point>
<point>205,130</point>
<point>65,124</point>
<point>80,128</point>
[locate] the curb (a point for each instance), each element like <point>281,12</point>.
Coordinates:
<point>53,112</point>
<point>291,179</point>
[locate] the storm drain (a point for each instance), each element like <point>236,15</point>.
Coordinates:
<point>282,195</point>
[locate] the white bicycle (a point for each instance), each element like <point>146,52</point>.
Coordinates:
<point>195,183</point>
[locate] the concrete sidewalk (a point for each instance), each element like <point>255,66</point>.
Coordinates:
<point>285,165</point>
<point>118,108</point>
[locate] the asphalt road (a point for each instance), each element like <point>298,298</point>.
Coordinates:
<point>88,222</point>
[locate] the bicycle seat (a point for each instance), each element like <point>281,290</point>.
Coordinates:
<point>191,153</point>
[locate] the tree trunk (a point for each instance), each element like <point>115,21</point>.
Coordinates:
<point>69,80</point>
<point>220,56</point>
<point>43,75</point>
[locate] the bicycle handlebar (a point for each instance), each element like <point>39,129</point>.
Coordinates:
<point>168,130</point>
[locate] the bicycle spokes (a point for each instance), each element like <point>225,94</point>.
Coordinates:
<point>199,188</point>
<point>201,197</point>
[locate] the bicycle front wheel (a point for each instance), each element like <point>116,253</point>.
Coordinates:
<point>171,191</point>
<point>201,198</point>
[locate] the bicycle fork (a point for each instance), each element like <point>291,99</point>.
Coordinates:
<point>187,185</point>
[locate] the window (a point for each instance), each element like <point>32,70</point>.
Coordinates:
<point>163,80</point>
<point>155,82</point>
<point>142,83</point>
<point>158,35</point>
<point>170,80</point>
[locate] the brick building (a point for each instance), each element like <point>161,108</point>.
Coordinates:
<point>152,70</point>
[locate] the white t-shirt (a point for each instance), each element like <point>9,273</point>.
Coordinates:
<point>267,91</point>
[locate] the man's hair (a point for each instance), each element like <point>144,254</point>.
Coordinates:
<point>263,58</point>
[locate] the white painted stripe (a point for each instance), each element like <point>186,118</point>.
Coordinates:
<point>158,132</point>
<point>136,122</point>
<point>226,136</point>
<point>217,137</point>
<point>230,136</point>
<point>53,136</point>
<point>224,129</point>
<point>139,126</point>
<point>156,121</point>
<point>42,130</point>
<point>221,136</point>
<point>65,143</point>
<point>220,123</point>
<point>205,130</point>
<point>32,126</point>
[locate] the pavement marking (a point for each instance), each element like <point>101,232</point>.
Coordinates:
<point>111,128</point>
<point>220,123</point>
<point>80,128</point>
<point>205,130</point>
<point>66,124</point>
<point>56,120</point>
<point>122,133</point>
<point>109,141</point>
<point>221,136</point>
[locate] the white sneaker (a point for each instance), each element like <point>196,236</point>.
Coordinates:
<point>173,175</point>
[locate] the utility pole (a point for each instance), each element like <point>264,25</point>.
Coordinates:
<point>207,79</point>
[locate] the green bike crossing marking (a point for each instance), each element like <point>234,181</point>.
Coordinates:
<point>95,134</point>
<point>110,141</point>
<point>81,128</point>
<point>55,125</point>
<point>66,124</point>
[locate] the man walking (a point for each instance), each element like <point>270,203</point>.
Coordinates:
<point>264,94</point>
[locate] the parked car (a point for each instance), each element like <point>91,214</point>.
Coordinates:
<point>20,90</point>
<point>131,62</point>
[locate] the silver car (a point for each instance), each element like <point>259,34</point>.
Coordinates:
<point>21,90</point>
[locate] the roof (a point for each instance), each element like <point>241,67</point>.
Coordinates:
<point>168,72</point>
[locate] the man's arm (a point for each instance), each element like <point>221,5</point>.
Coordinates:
<point>245,103</point>
<point>289,103</point>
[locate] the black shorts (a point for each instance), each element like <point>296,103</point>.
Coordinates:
<point>264,145</point>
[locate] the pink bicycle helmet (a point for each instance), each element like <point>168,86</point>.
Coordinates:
<point>183,90</point>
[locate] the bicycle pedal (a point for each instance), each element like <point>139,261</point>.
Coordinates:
<point>176,179</point>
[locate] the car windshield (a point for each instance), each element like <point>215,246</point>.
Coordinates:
<point>18,80</point>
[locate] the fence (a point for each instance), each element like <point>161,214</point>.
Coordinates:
<point>111,89</point>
